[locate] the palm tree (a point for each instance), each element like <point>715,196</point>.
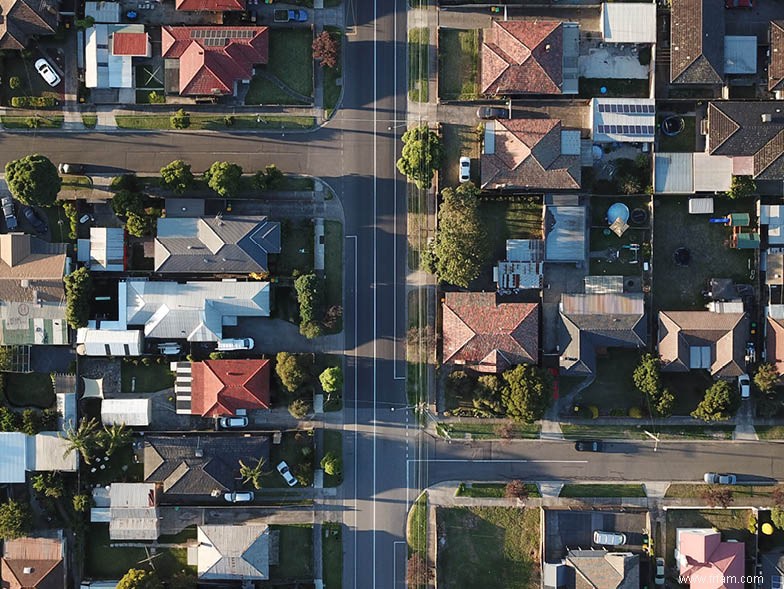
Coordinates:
<point>253,474</point>
<point>82,439</point>
<point>114,437</point>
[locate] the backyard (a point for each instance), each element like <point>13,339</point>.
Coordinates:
<point>30,389</point>
<point>488,547</point>
<point>732,523</point>
<point>614,87</point>
<point>458,64</point>
<point>140,378</point>
<point>295,553</point>
<point>679,287</point>
<point>685,141</point>
<point>418,70</point>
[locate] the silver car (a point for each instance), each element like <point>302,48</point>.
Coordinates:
<point>239,497</point>
<point>716,478</point>
<point>608,538</point>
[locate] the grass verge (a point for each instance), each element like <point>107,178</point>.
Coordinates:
<point>602,491</point>
<point>491,490</point>
<point>34,122</point>
<point>332,555</point>
<point>216,123</point>
<point>770,432</point>
<point>697,432</point>
<point>333,76</point>
<point>418,64</point>
<point>416,530</point>
<point>333,442</point>
<point>691,491</point>
<point>488,431</point>
<point>333,264</point>
<point>458,64</point>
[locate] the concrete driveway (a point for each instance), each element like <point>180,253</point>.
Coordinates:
<point>574,529</point>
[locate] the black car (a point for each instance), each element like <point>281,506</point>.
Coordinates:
<point>589,446</point>
<point>492,112</point>
<point>32,217</point>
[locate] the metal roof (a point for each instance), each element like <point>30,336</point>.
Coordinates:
<point>673,173</point>
<point>629,22</point>
<point>107,249</point>
<point>623,119</point>
<point>131,412</point>
<point>740,55</point>
<point>565,233</point>
<point>13,457</point>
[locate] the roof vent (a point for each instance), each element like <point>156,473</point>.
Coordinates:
<point>547,47</point>
<point>199,452</point>
<point>24,283</point>
<point>190,247</point>
<point>27,570</point>
<point>767,118</point>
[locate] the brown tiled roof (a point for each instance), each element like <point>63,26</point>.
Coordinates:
<point>776,66</point>
<point>775,343</point>
<point>488,336</point>
<point>36,267</point>
<point>522,57</point>
<point>604,570</point>
<point>210,5</point>
<point>134,44</point>
<point>42,557</point>
<point>697,42</point>
<point>23,19</point>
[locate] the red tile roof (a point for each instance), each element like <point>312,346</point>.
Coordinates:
<point>210,5</point>
<point>522,57</point>
<point>220,387</point>
<point>775,343</point>
<point>213,59</point>
<point>709,563</point>
<point>134,44</point>
<point>488,336</point>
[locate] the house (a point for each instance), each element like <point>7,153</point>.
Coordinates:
<point>771,217</point>
<point>530,154</point>
<point>529,57</point>
<point>32,293</point>
<point>199,465</point>
<point>213,245</point>
<point>133,412</point>
<point>523,267</point>
<point>45,451</point>
<point>37,562</point>
<point>692,340</point>
<point>485,335</point>
<point>130,509</point>
<point>565,234</point>
<point>212,61</point>
<point>24,20</point>
<point>697,42</point>
<point>109,51</point>
<point>705,561</point>
<point>776,65</point>
<point>774,341</point>
<point>231,553</point>
<point>592,323</point>
<point>215,388</point>
<point>630,22</point>
<point>623,120</point>
<point>104,251</point>
<point>593,569</point>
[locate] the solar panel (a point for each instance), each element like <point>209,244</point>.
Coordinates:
<point>775,582</point>
<point>613,108</point>
<point>625,108</point>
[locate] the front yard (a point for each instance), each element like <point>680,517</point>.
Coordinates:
<point>613,391</point>
<point>291,62</point>
<point>732,523</point>
<point>295,553</point>
<point>296,448</point>
<point>459,140</point>
<point>458,64</point>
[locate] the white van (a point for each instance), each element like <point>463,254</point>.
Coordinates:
<point>226,345</point>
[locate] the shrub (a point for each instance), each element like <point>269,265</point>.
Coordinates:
<point>515,489</point>
<point>332,464</point>
<point>125,202</point>
<point>635,412</point>
<point>33,101</point>
<point>14,82</point>
<point>594,411</point>
<point>78,292</point>
<point>299,408</point>
<point>15,519</point>
<point>311,330</point>
<point>180,120</point>
<point>156,98</point>
<point>714,496</point>
<point>310,295</point>
<point>325,49</point>
<point>291,370</point>
<point>73,218</point>
<point>81,503</point>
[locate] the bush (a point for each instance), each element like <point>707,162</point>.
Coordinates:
<point>137,225</point>
<point>291,370</point>
<point>299,408</point>
<point>332,465</point>
<point>741,187</point>
<point>310,295</point>
<point>15,520</point>
<point>78,293</point>
<point>81,503</point>
<point>14,82</point>
<point>180,120</point>
<point>331,379</point>
<point>325,49</point>
<point>515,489</point>
<point>635,412</point>
<point>73,218</point>
<point>156,98</point>
<point>125,202</point>
<point>311,330</point>
<point>33,101</point>
<point>594,411</point>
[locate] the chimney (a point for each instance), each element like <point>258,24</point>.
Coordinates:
<point>767,118</point>
<point>199,453</point>
<point>27,570</point>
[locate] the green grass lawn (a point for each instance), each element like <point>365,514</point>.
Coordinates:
<point>332,555</point>
<point>90,121</point>
<point>134,473</point>
<point>604,240</point>
<point>418,64</point>
<point>154,377</point>
<point>488,431</point>
<point>216,123</point>
<point>416,530</point>
<point>602,491</point>
<point>732,523</point>
<point>491,490</point>
<point>333,262</point>
<point>59,231</point>
<point>613,387</point>
<point>489,547</point>
<point>295,559</point>
<point>332,75</point>
<point>31,389</point>
<point>32,84</point>
<point>297,184</point>
<point>773,432</point>
<point>290,60</point>
<point>296,248</point>
<point>698,432</point>
<point>688,388</point>
<point>44,121</point>
<point>458,64</point>
<point>417,222</point>
<point>631,88</point>
<point>685,141</point>
<point>459,140</point>
<point>684,491</point>
<point>333,442</point>
<point>293,449</point>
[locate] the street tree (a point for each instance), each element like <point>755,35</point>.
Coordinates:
<point>741,187</point>
<point>332,464</point>
<point>15,520</point>
<point>331,379</point>
<point>516,489</point>
<point>291,370</point>
<point>326,49</point>
<point>766,377</point>
<point>82,439</point>
<point>269,178</point>
<point>224,178</point>
<point>527,393</point>
<point>78,297</point>
<point>177,176</point>
<point>422,154</point>
<point>33,180</point>
<point>310,295</point>
<point>717,403</point>
<point>139,579</point>
<point>252,473</point>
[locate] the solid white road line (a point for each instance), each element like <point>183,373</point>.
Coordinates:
<point>491,461</point>
<point>356,404</point>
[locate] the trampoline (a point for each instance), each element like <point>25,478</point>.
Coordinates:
<point>639,216</point>
<point>682,256</point>
<point>672,126</point>
<point>616,211</point>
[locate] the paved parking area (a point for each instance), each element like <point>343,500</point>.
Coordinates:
<point>754,21</point>
<point>607,61</point>
<point>574,529</point>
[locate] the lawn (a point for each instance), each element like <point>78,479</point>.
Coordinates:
<point>688,387</point>
<point>613,390</point>
<point>216,123</point>
<point>32,84</point>
<point>60,232</point>
<point>488,431</point>
<point>693,432</point>
<point>491,490</point>
<point>416,530</point>
<point>732,523</point>
<point>458,64</point>
<point>488,547</point>
<point>418,221</point>
<point>123,458</point>
<point>90,121</point>
<point>418,64</point>
<point>296,248</point>
<point>333,442</point>
<point>295,550</point>
<point>333,262</point>
<point>38,121</point>
<point>685,141</point>
<point>684,490</point>
<point>291,61</point>
<point>149,379</point>
<point>30,389</point>
<point>604,240</point>
<point>459,140</point>
<point>296,448</point>
<point>332,76</point>
<point>616,87</point>
<point>773,432</point>
<point>332,555</point>
<point>599,490</point>
<point>679,288</point>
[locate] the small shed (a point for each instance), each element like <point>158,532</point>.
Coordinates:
<point>107,342</point>
<point>629,22</point>
<point>747,241</point>
<point>701,206</point>
<point>739,219</point>
<point>131,412</point>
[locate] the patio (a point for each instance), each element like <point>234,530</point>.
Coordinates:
<point>602,60</point>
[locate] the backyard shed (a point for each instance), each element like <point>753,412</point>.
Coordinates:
<point>105,342</point>
<point>629,22</point>
<point>700,206</point>
<point>564,230</point>
<point>131,412</point>
<point>747,241</point>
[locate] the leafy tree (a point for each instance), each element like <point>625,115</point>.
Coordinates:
<point>6,357</point>
<point>49,484</point>
<point>714,496</point>
<point>421,156</point>
<point>460,384</point>
<point>10,420</point>
<point>526,393</point>
<point>741,187</point>
<point>460,246</point>
<point>516,489</point>
<point>766,377</point>
<point>291,370</point>
<point>332,464</point>
<point>310,294</point>
<point>78,294</point>
<point>331,379</point>
<point>139,579</point>
<point>417,571</point>
<point>33,180</point>
<point>251,474</point>
<point>777,517</point>
<point>177,176</point>
<point>325,49</point>
<point>664,403</point>
<point>82,439</point>
<point>84,23</point>
<point>15,520</point>
<point>717,403</point>
<point>180,120</point>
<point>299,408</point>
<point>269,178</point>
<point>81,503</point>
<point>126,202</point>
<point>224,178</point>
<point>137,225</point>
<point>114,437</point>
<point>630,184</point>
<point>311,330</point>
<point>647,375</point>
<point>31,422</point>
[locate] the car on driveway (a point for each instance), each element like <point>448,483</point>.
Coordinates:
<point>8,211</point>
<point>602,538</point>
<point>744,386</point>
<point>716,478</point>
<point>465,169</point>
<point>589,446</point>
<point>239,497</point>
<point>32,217</point>
<point>492,112</point>
<point>233,422</point>
<point>71,168</point>
<point>45,69</point>
<point>290,15</point>
<point>659,578</point>
<point>285,472</point>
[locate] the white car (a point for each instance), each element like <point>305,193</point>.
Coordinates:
<point>239,497</point>
<point>608,538</point>
<point>284,471</point>
<point>47,72</point>
<point>744,386</point>
<point>715,478</point>
<point>227,345</point>
<point>659,578</point>
<point>465,169</point>
<point>233,422</point>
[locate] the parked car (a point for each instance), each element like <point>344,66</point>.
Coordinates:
<point>71,168</point>
<point>608,538</point>
<point>744,386</point>
<point>465,169</point>
<point>284,471</point>
<point>589,446</point>
<point>225,345</point>
<point>492,112</point>
<point>294,15</point>
<point>239,497</point>
<point>8,211</point>
<point>715,478</point>
<point>659,578</point>
<point>233,422</point>
<point>170,348</point>
<point>738,4</point>
<point>47,72</point>
<point>32,217</point>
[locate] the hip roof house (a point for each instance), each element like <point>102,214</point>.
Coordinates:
<point>216,388</point>
<point>237,553</point>
<point>34,562</point>
<point>697,42</point>
<point>24,20</point>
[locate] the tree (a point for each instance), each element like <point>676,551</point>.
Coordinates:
<point>460,246</point>
<point>180,120</point>
<point>139,579</point>
<point>113,438</point>
<point>741,187</point>
<point>251,474</point>
<point>516,489</point>
<point>332,464</point>
<point>291,370</point>
<point>82,439</point>
<point>767,377</point>
<point>224,178</point>
<point>269,178</point>
<point>778,496</point>
<point>417,571</point>
<point>647,375</point>
<point>137,225</point>
<point>777,517</point>
<point>15,520</point>
<point>311,330</point>
<point>126,202</point>
<point>31,422</point>
<point>325,49</point>
<point>526,393</point>
<point>81,503</point>
<point>48,484</point>
<point>78,294</point>
<point>714,496</point>
<point>717,402</point>
<point>299,408</point>
<point>177,176</point>
<point>331,379</point>
<point>664,403</point>
<point>156,98</point>
<point>310,295</point>
<point>630,184</point>
<point>6,357</point>
<point>10,420</point>
<point>421,156</point>
<point>33,180</point>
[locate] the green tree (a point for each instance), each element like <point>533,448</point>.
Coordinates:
<point>33,180</point>
<point>78,294</point>
<point>177,176</point>
<point>137,225</point>
<point>269,178</point>
<point>224,178</point>
<point>114,437</point>
<point>251,474</point>
<point>299,408</point>
<point>10,420</point>
<point>647,375</point>
<point>155,98</point>
<point>741,187</point>
<point>291,370</point>
<point>310,295</point>
<point>82,439</point>
<point>331,379</point>
<point>15,520</point>
<point>421,155</point>
<point>332,464</point>
<point>460,247</point>
<point>125,202</point>
<point>311,329</point>
<point>48,484</point>
<point>31,421</point>
<point>664,403</point>
<point>6,357</point>
<point>767,377</point>
<point>527,393</point>
<point>81,503</point>
<point>717,403</point>
<point>139,579</point>
<point>777,517</point>
<point>180,120</point>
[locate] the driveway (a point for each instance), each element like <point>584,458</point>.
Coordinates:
<point>270,336</point>
<point>574,529</point>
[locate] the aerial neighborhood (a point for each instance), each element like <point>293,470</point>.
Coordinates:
<point>540,346</point>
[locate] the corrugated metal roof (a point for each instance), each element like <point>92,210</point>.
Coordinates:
<point>629,22</point>
<point>233,552</point>
<point>602,304</point>
<point>131,412</point>
<point>13,457</point>
<point>564,233</point>
<point>740,55</point>
<point>107,249</point>
<point>49,453</point>
<point>673,173</point>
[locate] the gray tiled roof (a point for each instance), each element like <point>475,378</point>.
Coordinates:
<point>234,552</point>
<point>23,19</point>
<point>697,42</point>
<point>597,569</point>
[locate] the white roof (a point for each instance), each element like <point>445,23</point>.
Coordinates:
<point>103,12</point>
<point>66,407</point>
<point>131,412</point>
<point>712,173</point>
<point>107,249</point>
<point>93,387</point>
<point>13,457</point>
<point>623,120</point>
<point>701,206</point>
<point>740,55</point>
<point>628,22</point>
<point>106,342</point>
<point>773,217</point>
<point>133,512</point>
<point>49,453</point>
<point>103,69</point>
<point>231,552</point>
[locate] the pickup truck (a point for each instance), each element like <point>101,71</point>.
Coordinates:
<point>294,15</point>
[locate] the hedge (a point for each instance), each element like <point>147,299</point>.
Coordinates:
<point>33,101</point>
